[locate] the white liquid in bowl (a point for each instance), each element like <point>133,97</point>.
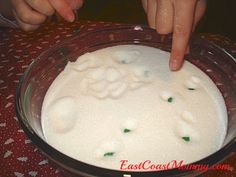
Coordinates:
<point>123,103</point>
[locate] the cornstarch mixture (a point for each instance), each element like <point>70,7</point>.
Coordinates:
<point>123,103</point>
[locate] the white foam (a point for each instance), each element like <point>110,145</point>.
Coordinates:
<point>124,101</point>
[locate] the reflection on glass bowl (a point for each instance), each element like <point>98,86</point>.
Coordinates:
<point>214,61</point>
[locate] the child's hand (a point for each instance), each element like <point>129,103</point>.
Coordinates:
<point>65,8</point>
<point>30,14</point>
<point>177,16</point>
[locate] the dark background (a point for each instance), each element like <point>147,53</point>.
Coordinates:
<point>220,16</point>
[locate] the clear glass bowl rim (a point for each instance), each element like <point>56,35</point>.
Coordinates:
<point>79,167</point>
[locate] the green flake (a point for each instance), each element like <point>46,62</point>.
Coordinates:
<point>124,62</point>
<point>109,154</point>
<point>126,130</point>
<point>170,99</point>
<point>191,88</point>
<point>77,30</point>
<point>186,138</point>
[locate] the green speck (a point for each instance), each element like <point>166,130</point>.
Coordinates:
<point>170,99</point>
<point>124,62</point>
<point>146,73</point>
<point>109,154</point>
<point>126,130</point>
<point>186,138</point>
<point>77,30</point>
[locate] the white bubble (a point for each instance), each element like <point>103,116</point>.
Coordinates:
<point>119,91</point>
<point>187,116</point>
<point>62,114</point>
<point>195,79</point>
<point>97,74</point>
<point>84,85</point>
<point>81,66</point>
<point>130,124</point>
<point>165,95</point>
<point>192,83</point>
<point>185,129</point>
<point>135,85</point>
<point>98,86</point>
<point>112,74</point>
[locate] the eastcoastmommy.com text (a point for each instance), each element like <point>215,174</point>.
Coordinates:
<point>147,165</point>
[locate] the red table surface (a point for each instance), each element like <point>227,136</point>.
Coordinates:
<point>18,156</point>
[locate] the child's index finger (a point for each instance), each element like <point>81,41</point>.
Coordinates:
<point>183,23</point>
<point>64,9</point>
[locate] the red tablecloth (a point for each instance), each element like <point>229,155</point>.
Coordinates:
<point>18,156</point>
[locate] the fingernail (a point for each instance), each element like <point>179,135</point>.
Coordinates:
<point>70,17</point>
<point>174,65</point>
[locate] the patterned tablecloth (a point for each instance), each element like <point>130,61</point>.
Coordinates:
<point>18,156</point>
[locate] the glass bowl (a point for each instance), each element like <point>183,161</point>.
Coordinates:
<point>211,59</point>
